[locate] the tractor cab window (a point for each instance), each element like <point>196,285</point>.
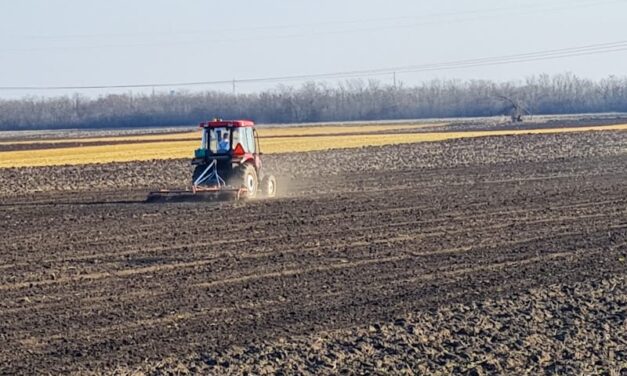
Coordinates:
<point>244,137</point>
<point>250,140</point>
<point>236,137</point>
<point>223,140</point>
<point>219,140</point>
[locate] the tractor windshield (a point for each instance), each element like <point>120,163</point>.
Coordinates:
<point>217,140</point>
<point>223,140</point>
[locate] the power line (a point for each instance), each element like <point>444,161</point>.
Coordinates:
<point>585,50</point>
<point>435,18</point>
<point>498,60</point>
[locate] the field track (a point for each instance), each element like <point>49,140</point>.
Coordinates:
<point>92,279</point>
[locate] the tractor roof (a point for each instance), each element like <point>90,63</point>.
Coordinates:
<point>227,123</point>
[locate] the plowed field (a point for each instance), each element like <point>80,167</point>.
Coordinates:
<point>496,254</point>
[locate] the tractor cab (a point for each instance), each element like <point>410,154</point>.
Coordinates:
<point>227,140</point>
<point>229,155</point>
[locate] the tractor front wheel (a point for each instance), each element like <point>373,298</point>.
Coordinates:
<point>268,186</point>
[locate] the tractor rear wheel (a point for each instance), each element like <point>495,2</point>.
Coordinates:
<point>268,186</point>
<point>246,176</point>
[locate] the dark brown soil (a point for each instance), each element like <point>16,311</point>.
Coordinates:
<point>546,330</point>
<point>490,255</point>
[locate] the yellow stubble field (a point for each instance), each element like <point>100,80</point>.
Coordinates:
<point>274,140</point>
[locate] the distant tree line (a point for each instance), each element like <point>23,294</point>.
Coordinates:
<point>314,102</point>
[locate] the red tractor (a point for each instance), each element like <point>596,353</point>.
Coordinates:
<point>228,161</point>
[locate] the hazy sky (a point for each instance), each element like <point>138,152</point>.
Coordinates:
<point>82,43</point>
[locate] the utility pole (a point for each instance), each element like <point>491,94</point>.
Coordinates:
<point>233,86</point>
<point>394,78</point>
<point>76,103</point>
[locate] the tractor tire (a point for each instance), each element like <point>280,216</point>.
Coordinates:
<point>246,176</point>
<point>268,186</point>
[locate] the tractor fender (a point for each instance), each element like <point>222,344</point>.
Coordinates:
<point>247,159</point>
<point>243,160</point>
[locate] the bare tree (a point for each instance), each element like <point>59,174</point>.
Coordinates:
<point>515,108</point>
<point>349,100</point>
